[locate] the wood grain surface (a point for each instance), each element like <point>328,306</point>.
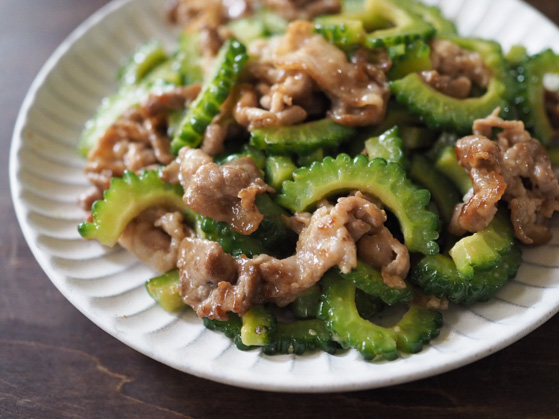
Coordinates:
<point>55,363</point>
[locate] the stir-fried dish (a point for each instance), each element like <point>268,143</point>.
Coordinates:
<point>324,174</point>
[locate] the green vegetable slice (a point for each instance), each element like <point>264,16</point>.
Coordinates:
<point>227,68</point>
<point>531,102</point>
<point>437,275</point>
<point>407,25</point>
<point>230,328</point>
<point>165,290</point>
<point>301,138</point>
<point>258,326</point>
<point>386,181</point>
<point>125,199</point>
<point>416,328</point>
<point>300,336</point>
<point>443,192</point>
<point>483,250</point>
<point>447,163</point>
<point>388,145</point>
<point>144,59</point>
<point>369,280</point>
<point>440,111</point>
<point>279,169</point>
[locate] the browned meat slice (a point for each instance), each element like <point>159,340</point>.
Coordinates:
<point>325,242</point>
<point>481,157</point>
<point>455,70</point>
<point>517,163</point>
<point>136,141</point>
<point>358,90</point>
<point>552,107</point>
<point>225,193</point>
<point>154,237</point>
<point>213,282</point>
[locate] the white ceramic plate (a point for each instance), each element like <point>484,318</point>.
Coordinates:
<point>108,285</point>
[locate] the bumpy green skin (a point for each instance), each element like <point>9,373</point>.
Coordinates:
<point>485,249</point>
<point>446,162</point>
<point>388,145</point>
<point>531,102</point>
<point>409,58</point>
<point>437,275</point>
<point>227,68</point>
<point>386,181</point>
<point>279,169</point>
<point>301,138</point>
<point>369,280</point>
<point>408,25</point>
<point>127,198</point>
<point>234,243</point>
<point>188,57</point>
<point>259,324</point>
<point>165,290</point>
<point>272,237</point>
<point>416,328</point>
<point>432,15</point>
<point>440,111</point>
<point>347,34</point>
<point>230,328</point>
<point>299,337</point>
<point>305,306</point>
<point>443,192</point>
<point>144,59</point>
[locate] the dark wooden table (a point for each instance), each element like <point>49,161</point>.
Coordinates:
<point>56,363</point>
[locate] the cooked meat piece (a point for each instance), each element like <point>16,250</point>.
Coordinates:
<point>154,237</point>
<point>136,141</point>
<point>515,163</point>
<point>481,157</point>
<point>455,70</point>
<point>324,243</point>
<point>358,90</point>
<point>225,193</point>
<point>214,283</point>
<point>458,88</point>
<point>384,252</point>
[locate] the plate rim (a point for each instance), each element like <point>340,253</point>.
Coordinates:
<point>30,236</point>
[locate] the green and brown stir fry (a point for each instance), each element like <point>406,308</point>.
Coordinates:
<point>296,169</point>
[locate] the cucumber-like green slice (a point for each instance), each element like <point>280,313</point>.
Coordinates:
<point>279,169</point>
<point>443,192</point>
<point>227,68</point>
<point>301,138</point>
<point>531,102</point>
<point>347,34</point>
<point>126,198</point>
<point>188,58</point>
<point>300,336</point>
<point>386,181</point>
<point>144,59</point>
<point>440,111</point>
<point>162,77</point>
<point>432,15</point>
<point>259,324</point>
<point>416,328</point>
<point>165,290</point>
<point>388,145</point>
<point>407,25</point>
<point>446,162</point>
<point>369,280</point>
<point>230,328</point>
<point>305,306</point>
<point>483,250</point>
<point>409,58</point>
<point>437,275</point>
